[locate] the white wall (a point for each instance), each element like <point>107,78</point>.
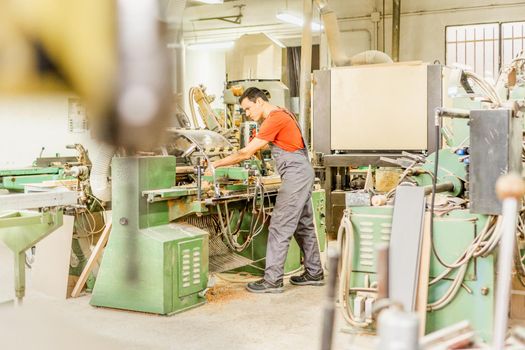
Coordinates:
<point>423,25</point>
<point>29,123</point>
<point>422,22</point>
<point>207,67</point>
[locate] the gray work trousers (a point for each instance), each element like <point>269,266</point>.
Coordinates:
<point>292,215</point>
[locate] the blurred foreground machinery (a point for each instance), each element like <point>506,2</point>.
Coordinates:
<point>113,55</point>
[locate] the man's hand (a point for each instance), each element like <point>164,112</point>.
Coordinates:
<point>210,170</point>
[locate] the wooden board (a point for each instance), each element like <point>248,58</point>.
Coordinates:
<point>95,255</point>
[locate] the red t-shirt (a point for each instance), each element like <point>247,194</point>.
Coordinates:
<point>282,130</point>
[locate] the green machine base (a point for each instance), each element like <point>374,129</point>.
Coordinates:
<point>454,232</point>
<point>150,264</point>
<point>168,276</point>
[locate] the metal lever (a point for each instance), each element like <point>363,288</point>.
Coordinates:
<point>198,172</point>
<point>216,188</point>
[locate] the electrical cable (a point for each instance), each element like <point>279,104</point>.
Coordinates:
<point>226,223</point>
<point>483,244</point>
<point>433,196</point>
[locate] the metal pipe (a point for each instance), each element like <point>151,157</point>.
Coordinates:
<point>383,25</point>
<point>396,27</point>
<point>198,171</point>
<point>442,187</point>
<point>510,189</point>
<point>288,32</point>
<point>442,112</point>
<point>333,36</point>
<point>306,69</point>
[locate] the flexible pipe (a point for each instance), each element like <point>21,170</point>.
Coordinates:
<point>345,243</point>
<point>99,177</point>
<point>370,57</point>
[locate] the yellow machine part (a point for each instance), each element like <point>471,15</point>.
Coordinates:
<point>53,45</point>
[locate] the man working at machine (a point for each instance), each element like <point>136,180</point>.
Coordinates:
<point>292,214</point>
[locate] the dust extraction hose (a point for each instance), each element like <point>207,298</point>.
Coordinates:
<point>99,177</point>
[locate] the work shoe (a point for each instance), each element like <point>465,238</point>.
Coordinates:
<point>263,286</point>
<point>307,280</point>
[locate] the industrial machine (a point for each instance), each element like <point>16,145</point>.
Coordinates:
<point>57,174</point>
<point>172,225</point>
<point>351,130</point>
<point>442,222</point>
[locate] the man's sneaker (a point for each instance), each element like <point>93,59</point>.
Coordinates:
<point>307,280</point>
<point>263,286</point>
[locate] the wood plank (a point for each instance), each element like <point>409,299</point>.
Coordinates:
<point>93,258</point>
<point>424,275</point>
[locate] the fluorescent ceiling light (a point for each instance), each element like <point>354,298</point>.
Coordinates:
<point>211,45</point>
<point>211,1</point>
<point>296,20</point>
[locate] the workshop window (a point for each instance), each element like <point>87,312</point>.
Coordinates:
<point>513,37</point>
<point>476,46</point>
<point>485,48</point>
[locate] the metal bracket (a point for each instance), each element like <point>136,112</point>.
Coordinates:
<point>235,19</point>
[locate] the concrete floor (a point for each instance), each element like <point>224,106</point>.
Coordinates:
<point>236,319</point>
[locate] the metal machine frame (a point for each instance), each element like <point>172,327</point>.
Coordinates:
<point>329,160</point>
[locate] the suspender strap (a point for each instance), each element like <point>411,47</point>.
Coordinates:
<point>299,127</point>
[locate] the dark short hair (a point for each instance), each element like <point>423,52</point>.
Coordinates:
<point>252,94</point>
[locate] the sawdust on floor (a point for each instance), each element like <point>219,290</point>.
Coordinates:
<point>226,292</point>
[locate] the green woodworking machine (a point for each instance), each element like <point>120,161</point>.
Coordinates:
<point>173,226</point>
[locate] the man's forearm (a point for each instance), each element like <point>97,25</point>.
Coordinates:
<point>231,159</point>
<point>242,154</point>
